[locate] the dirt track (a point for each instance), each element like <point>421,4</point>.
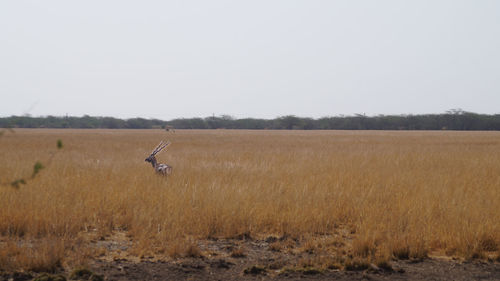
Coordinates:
<point>225,269</point>
<point>259,262</point>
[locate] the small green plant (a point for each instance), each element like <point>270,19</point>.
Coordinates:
<point>17,183</point>
<point>37,168</point>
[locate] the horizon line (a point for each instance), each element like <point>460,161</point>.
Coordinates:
<point>451,111</point>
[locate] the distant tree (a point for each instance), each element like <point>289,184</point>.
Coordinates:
<point>138,123</point>
<point>289,122</point>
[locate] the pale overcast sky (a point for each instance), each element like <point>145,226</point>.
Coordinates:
<point>172,59</point>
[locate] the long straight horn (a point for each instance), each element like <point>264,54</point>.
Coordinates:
<point>156,149</point>
<point>161,146</point>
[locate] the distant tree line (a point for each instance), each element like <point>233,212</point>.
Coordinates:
<point>451,120</point>
<point>85,122</point>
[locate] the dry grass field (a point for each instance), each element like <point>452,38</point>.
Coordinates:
<point>344,197</point>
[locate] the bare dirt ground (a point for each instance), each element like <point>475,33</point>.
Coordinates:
<point>258,262</point>
<point>224,269</point>
<point>246,258</point>
<point>230,269</point>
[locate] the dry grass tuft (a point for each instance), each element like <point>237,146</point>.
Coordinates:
<point>276,246</point>
<point>181,248</point>
<point>356,264</point>
<point>193,251</point>
<point>238,252</point>
<point>45,256</point>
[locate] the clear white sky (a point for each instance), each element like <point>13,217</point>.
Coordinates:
<point>311,58</point>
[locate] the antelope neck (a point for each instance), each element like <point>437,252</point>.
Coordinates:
<point>153,161</point>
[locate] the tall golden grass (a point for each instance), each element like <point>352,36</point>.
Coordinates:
<point>397,194</point>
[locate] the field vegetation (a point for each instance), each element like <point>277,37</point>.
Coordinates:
<point>348,198</point>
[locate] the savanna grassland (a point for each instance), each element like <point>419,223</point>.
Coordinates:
<point>333,199</point>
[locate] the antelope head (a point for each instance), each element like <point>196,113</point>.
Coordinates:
<point>159,148</point>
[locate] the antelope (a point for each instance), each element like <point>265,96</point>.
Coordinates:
<point>162,169</point>
<point>169,128</point>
